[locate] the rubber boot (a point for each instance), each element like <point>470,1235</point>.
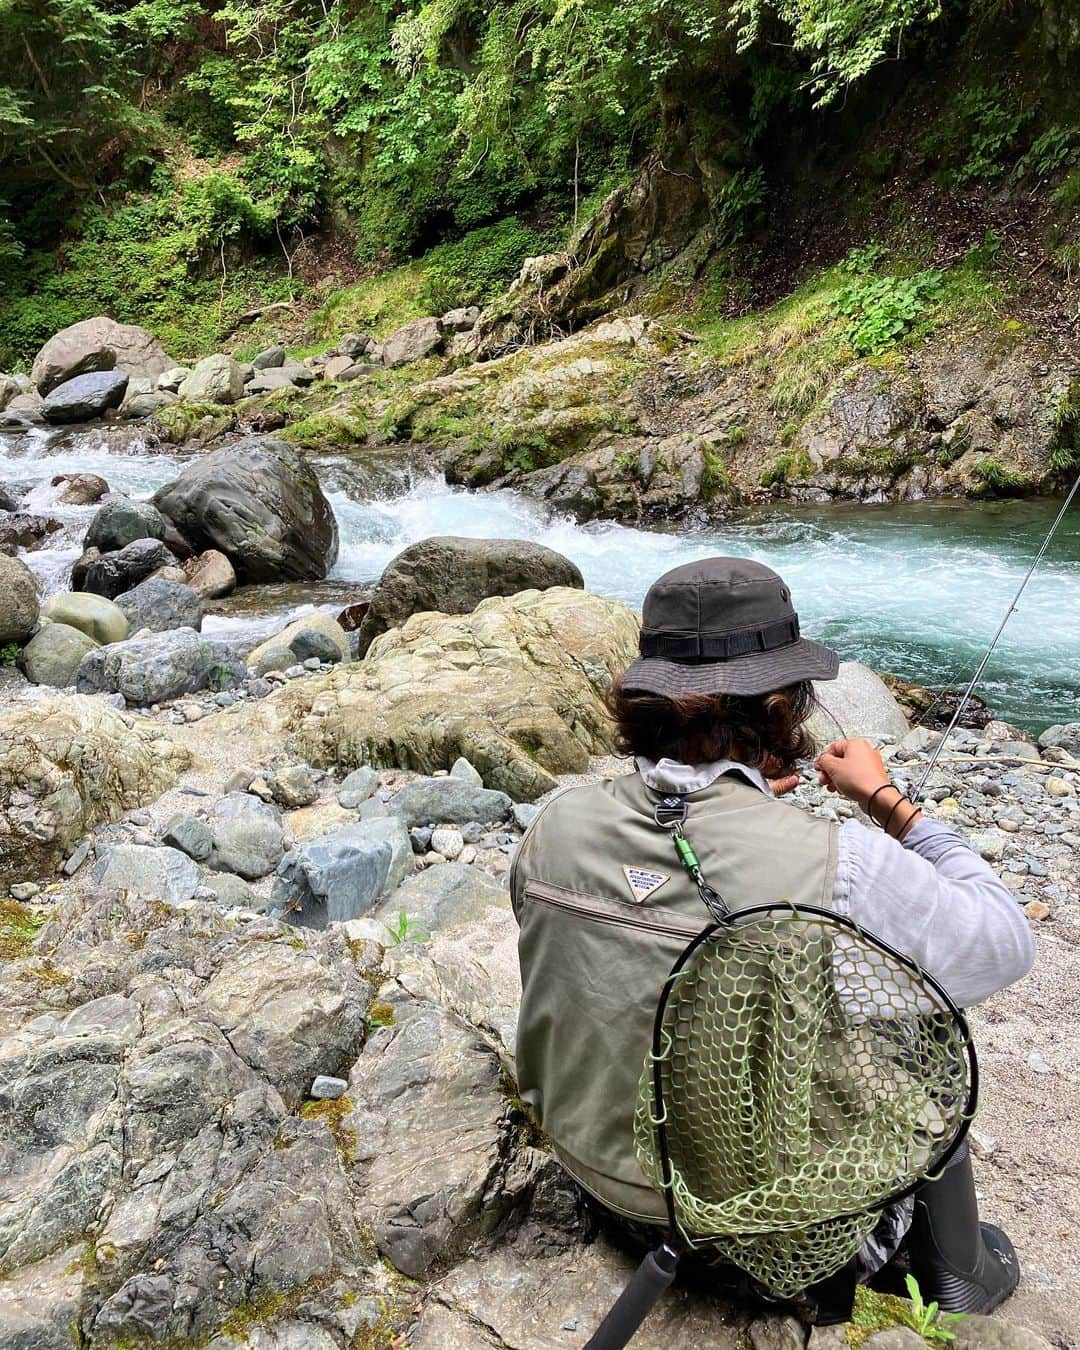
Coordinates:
<point>967,1266</point>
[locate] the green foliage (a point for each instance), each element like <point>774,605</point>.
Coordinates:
<point>977,135</point>
<point>739,205</point>
<point>881,311</point>
<point>1055,149</point>
<point>18,928</point>
<point>9,653</point>
<point>995,477</point>
<point>789,466</point>
<point>479,266</point>
<point>715,476</point>
<point>405,929</point>
<point>926,1319</point>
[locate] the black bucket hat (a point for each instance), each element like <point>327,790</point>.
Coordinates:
<point>723,626</point>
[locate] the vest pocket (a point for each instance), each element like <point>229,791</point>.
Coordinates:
<point>599,910</point>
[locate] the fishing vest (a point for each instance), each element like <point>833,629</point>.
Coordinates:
<point>604,908</point>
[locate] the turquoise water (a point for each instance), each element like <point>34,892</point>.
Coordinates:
<point>917,589</point>
<point>914,589</point>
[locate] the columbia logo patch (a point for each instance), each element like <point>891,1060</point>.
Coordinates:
<point>644,882</point>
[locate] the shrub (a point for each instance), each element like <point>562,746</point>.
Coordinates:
<point>882,310</point>
<point>995,477</point>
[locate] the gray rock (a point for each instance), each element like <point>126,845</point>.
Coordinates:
<point>339,876</point>
<point>215,379</point>
<point>356,370</point>
<point>153,873</point>
<point>18,600</point>
<point>444,896</point>
<point>429,1118</point>
<point>311,644</point>
<point>451,575</point>
<point>297,373</point>
<point>190,835</point>
<point>975,1332</point>
<point>461,320</point>
<point>273,658</point>
<point>151,669</point>
<point>261,505</point>
<point>138,406</point>
<point>856,703</point>
<point>524,814</point>
<point>114,573</point>
<point>8,501</point>
<point>894,1338</point>
<point>357,787</point>
<point>230,891</point>
<point>24,531</point>
<point>161,605</point>
<point>326,1088</point>
<point>94,345</point>
<point>777,1333</point>
<point>412,342</point>
<point>464,770</point>
<point>1063,737</point>
<point>449,801</point>
<point>77,858</point>
<point>354,344</point>
<point>248,836</point>
<point>94,615</point>
<point>120,522</point>
<point>294,786</point>
<point>53,654</point>
<point>269,359</point>
<point>85,397</point>
<point>269,381</point>
<point>40,1304</point>
<point>169,381</point>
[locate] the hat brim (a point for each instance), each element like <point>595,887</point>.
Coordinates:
<point>756,673</point>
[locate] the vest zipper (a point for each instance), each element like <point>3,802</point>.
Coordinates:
<point>558,899</point>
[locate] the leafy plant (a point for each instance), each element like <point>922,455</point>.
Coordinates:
<point>9,653</point>
<point>926,1319</point>
<point>882,310</point>
<point>739,205</point>
<point>991,128</point>
<point>405,929</point>
<point>997,477</point>
<point>1050,152</point>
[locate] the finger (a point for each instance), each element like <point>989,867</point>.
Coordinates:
<point>782,785</point>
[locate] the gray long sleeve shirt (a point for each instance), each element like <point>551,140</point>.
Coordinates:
<point>931,897</point>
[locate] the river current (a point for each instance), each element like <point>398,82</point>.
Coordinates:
<point>915,589</point>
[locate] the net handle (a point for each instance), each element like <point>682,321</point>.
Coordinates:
<point>815,911</point>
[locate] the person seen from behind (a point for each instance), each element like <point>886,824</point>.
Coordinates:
<point>715,711</point>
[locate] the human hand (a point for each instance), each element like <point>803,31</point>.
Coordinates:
<point>852,768</point>
<point>781,785</point>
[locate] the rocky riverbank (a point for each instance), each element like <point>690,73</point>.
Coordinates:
<point>259,992</point>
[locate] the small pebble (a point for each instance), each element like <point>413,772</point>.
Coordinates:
<point>1035,909</point>
<point>447,841</point>
<point>1058,787</point>
<point>1037,1064</point>
<point>24,890</point>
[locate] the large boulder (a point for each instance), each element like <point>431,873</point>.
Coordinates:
<point>18,600</point>
<point>154,873</point>
<point>85,397</point>
<point>112,574</point>
<point>248,836</point>
<point>342,875</point>
<point>66,766</point>
<point>153,669</point>
<point>97,344</point>
<point>856,703</point>
<point>215,379</point>
<point>296,637</point>
<point>120,522</point>
<point>261,505</point>
<point>517,687</point>
<point>160,605</point>
<point>53,654</point>
<point>452,575</point>
<point>412,342</point>
<point>449,801</point>
<point>80,489</point>
<point>94,615</point>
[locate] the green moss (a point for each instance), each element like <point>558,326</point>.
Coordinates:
<point>792,465</point>
<point>335,1114</point>
<point>18,928</point>
<point>715,476</point>
<point>380,1015</point>
<point>995,478</point>
<point>342,425</point>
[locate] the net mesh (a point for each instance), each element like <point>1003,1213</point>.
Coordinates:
<point>807,1076</point>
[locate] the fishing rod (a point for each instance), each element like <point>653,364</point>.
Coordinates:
<point>965,697</point>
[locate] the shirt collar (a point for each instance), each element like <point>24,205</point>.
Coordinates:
<point>668,775</point>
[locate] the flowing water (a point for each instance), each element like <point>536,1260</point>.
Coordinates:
<point>914,589</point>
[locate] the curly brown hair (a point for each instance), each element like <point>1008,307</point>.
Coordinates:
<point>765,731</point>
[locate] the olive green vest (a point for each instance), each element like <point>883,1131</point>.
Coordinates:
<point>604,908</point>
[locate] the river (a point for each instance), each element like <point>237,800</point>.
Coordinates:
<point>917,589</point>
